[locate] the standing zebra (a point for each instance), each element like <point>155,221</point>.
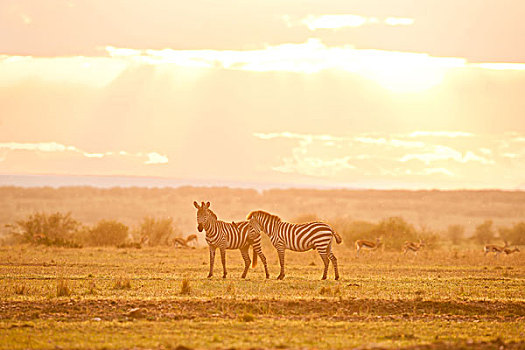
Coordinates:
<point>297,237</point>
<point>223,235</point>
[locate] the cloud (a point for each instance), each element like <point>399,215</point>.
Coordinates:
<point>334,21</point>
<point>399,21</point>
<point>439,156</point>
<point>155,158</point>
<point>339,21</point>
<point>55,147</point>
<point>440,134</point>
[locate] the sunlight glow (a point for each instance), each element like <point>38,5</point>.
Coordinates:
<point>399,21</point>
<point>396,71</point>
<point>93,71</point>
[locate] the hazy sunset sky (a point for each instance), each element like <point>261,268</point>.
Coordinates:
<point>370,93</point>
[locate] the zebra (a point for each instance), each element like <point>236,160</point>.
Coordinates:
<point>223,235</point>
<point>296,237</point>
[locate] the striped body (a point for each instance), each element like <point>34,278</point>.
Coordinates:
<point>226,235</point>
<point>296,237</point>
<point>223,235</point>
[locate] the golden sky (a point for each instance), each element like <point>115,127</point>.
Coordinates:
<point>368,94</point>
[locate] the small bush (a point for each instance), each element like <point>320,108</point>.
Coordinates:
<point>92,288</point>
<point>158,231</point>
<point>122,283</point>
<point>63,289</point>
<point>185,288</point>
<point>21,289</point>
<point>247,317</point>
<point>107,233</point>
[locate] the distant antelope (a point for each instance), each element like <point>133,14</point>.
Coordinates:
<point>413,246</point>
<point>509,251</point>
<point>496,249</point>
<point>144,240</point>
<point>364,244</point>
<point>183,242</point>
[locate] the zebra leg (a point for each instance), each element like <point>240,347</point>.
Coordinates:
<point>212,260</point>
<point>326,262</point>
<point>333,259</point>
<point>280,252</point>
<point>246,256</point>
<point>258,250</point>
<point>223,260</point>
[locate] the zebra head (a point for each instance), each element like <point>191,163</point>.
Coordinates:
<point>203,214</point>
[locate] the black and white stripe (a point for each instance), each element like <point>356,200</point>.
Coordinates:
<point>223,235</point>
<point>296,237</point>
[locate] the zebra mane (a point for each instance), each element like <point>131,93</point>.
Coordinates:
<point>212,213</point>
<point>260,213</point>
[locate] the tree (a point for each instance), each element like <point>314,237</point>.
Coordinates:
<point>107,232</point>
<point>484,232</point>
<point>455,233</point>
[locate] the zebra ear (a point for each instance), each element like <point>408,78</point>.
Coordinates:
<point>196,205</point>
<point>207,205</point>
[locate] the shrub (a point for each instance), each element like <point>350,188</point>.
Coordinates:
<point>395,231</point>
<point>455,233</point>
<point>158,231</point>
<point>513,235</point>
<point>63,289</point>
<point>49,229</point>
<point>351,231</point>
<point>484,232</point>
<point>106,233</point>
<point>185,288</point>
<point>122,283</point>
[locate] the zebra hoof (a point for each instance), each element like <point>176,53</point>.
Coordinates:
<point>336,278</point>
<point>243,276</point>
<point>280,277</point>
<point>324,277</point>
<point>223,276</point>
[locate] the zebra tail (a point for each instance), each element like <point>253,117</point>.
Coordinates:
<point>338,238</point>
<point>254,260</point>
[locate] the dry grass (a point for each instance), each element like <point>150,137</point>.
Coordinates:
<point>185,288</point>
<point>385,298</point>
<point>63,288</point>
<point>122,283</point>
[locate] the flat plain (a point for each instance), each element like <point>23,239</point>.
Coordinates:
<point>159,297</point>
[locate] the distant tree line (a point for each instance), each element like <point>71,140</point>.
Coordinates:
<point>58,229</point>
<point>394,231</point>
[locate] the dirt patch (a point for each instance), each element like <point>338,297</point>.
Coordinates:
<point>349,310</point>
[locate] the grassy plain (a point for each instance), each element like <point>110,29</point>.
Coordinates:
<point>94,298</point>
